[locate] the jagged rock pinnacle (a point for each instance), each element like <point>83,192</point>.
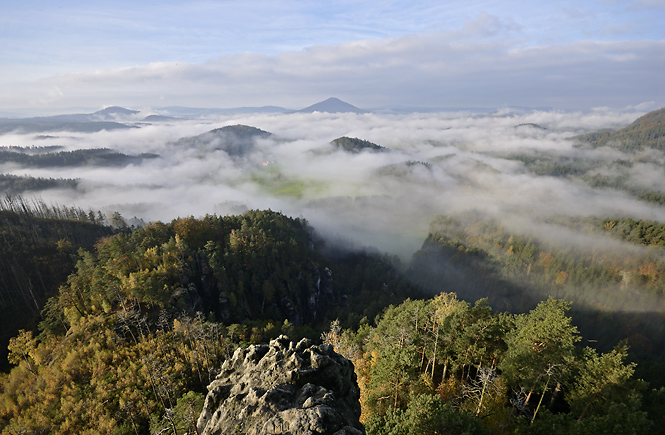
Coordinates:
<point>283,388</point>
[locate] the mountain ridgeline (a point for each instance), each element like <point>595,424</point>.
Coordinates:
<point>597,168</point>
<point>648,131</point>
<point>120,118</point>
<point>105,119</point>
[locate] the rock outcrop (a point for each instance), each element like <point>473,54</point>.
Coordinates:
<point>283,388</point>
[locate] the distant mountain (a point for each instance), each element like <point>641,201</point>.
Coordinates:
<point>198,111</point>
<point>647,131</point>
<point>355,145</point>
<point>159,118</point>
<point>105,119</point>
<point>33,125</point>
<point>111,113</point>
<point>236,140</point>
<point>332,105</point>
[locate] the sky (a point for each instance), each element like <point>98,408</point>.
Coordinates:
<point>486,54</point>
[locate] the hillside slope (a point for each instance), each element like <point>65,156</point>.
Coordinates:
<point>648,131</point>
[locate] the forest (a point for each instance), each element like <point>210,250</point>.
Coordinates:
<point>96,156</point>
<point>132,337</point>
<point>15,184</point>
<point>152,300</point>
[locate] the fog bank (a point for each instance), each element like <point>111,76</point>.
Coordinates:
<point>437,163</point>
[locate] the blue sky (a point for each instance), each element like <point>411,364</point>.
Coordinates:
<point>561,54</point>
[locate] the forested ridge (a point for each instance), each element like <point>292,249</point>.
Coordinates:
<point>94,156</point>
<point>137,332</point>
<point>15,184</point>
<point>610,285</point>
<point>647,131</point>
<point>596,164</point>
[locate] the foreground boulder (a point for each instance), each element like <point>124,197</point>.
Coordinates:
<point>283,388</point>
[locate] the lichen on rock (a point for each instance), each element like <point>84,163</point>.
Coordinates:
<point>283,388</point>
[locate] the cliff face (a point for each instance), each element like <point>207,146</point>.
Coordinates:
<point>283,388</point>
<point>306,300</point>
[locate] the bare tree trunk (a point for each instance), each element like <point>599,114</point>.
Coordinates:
<point>482,395</point>
<point>436,342</point>
<point>541,399</point>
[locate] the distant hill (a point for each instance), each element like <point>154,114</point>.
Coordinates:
<point>530,125</point>
<point>355,145</point>
<point>648,131</point>
<point>332,105</point>
<point>236,140</point>
<point>112,113</point>
<point>406,170</point>
<point>242,131</point>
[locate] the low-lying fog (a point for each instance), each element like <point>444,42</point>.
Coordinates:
<point>443,163</point>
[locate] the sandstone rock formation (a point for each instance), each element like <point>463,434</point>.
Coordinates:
<point>283,388</point>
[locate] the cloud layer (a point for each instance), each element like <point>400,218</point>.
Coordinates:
<point>440,163</point>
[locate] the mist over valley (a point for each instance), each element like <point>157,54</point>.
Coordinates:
<point>503,164</point>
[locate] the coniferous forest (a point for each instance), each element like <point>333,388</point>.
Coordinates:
<point>502,320</point>
<point>141,326</point>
